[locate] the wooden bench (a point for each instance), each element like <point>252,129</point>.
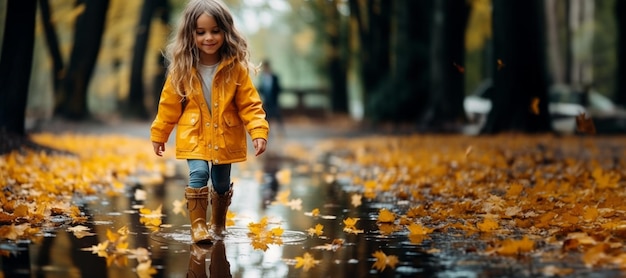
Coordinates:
<point>310,102</point>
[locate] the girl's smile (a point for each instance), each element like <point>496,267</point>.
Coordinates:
<point>209,39</point>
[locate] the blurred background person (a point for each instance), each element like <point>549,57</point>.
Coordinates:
<point>269,87</point>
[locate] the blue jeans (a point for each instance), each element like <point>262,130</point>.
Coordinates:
<point>199,172</point>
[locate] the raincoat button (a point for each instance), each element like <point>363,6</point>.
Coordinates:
<point>216,105</point>
<point>193,121</point>
<point>209,145</point>
<point>216,148</point>
<point>215,125</point>
<point>208,124</point>
<point>217,161</point>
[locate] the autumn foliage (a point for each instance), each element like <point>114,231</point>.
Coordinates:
<point>523,195</point>
<point>520,195</point>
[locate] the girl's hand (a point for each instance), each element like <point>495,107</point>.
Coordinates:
<point>159,148</point>
<point>259,146</point>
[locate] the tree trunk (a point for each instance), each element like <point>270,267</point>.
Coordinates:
<point>395,62</point>
<point>374,21</point>
<point>520,102</point>
<point>15,65</point>
<point>72,98</point>
<point>553,27</point>
<point>581,40</point>
<point>620,12</point>
<point>337,70</point>
<point>333,28</point>
<point>53,43</point>
<point>447,57</point>
<point>163,13</point>
<point>135,106</point>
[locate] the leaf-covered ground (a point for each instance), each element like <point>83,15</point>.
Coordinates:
<point>546,197</point>
<point>543,196</point>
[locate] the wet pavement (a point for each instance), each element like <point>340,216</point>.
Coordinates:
<point>260,185</point>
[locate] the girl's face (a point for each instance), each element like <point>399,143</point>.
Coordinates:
<point>209,39</point>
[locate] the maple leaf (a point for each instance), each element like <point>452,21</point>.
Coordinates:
<point>123,231</point>
<point>121,247</point>
<point>514,190</point>
<point>511,247</point>
<point>276,232</point>
<point>141,254</point>
<point>295,204</point>
<point>489,224</point>
<point>317,230</point>
<point>230,216</point>
<point>353,230</point>
<point>80,231</point>
<point>315,212</point>
<point>117,259</point>
<point>387,228</point>
<point>383,260</point>
<point>259,245</point>
<point>417,239</point>
<point>356,200</point>
<point>350,222</point>
<point>82,234</point>
<point>512,211</point>
<point>333,246</point>
<point>78,228</point>
<point>404,220</point>
<point>534,106</point>
<point>258,228</point>
<point>605,179</point>
<point>146,212</point>
<point>179,207</point>
<point>145,269</point>
<point>21,211</point>
<point>282,197</point>
<point>493,204</point>
<point>417,229</point>
<point>151,218</point>
<point>591,214</point>
<point>307,261</point>
<point>386,216</point>
<point>585,124</point>
<point>414,212</point>
<point>100,249</point>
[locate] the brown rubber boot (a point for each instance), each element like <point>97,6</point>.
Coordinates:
<point>219,207</point>
<point>197,261</point>
<point>197,203</point>
<point>219,267</point>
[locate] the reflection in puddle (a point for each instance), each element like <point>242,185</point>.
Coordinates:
<point>233,236</point>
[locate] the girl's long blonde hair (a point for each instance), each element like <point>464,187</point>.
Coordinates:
<point>182,54</point>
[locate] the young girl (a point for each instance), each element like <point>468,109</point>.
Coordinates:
<point>211,99</point>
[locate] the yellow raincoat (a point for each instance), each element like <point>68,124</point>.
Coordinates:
<point>218,136</point>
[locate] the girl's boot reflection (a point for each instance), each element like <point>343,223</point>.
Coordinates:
<point>197,260</point>
<point>219,267</point>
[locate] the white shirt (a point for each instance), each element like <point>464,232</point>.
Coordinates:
<point>207,73</point>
